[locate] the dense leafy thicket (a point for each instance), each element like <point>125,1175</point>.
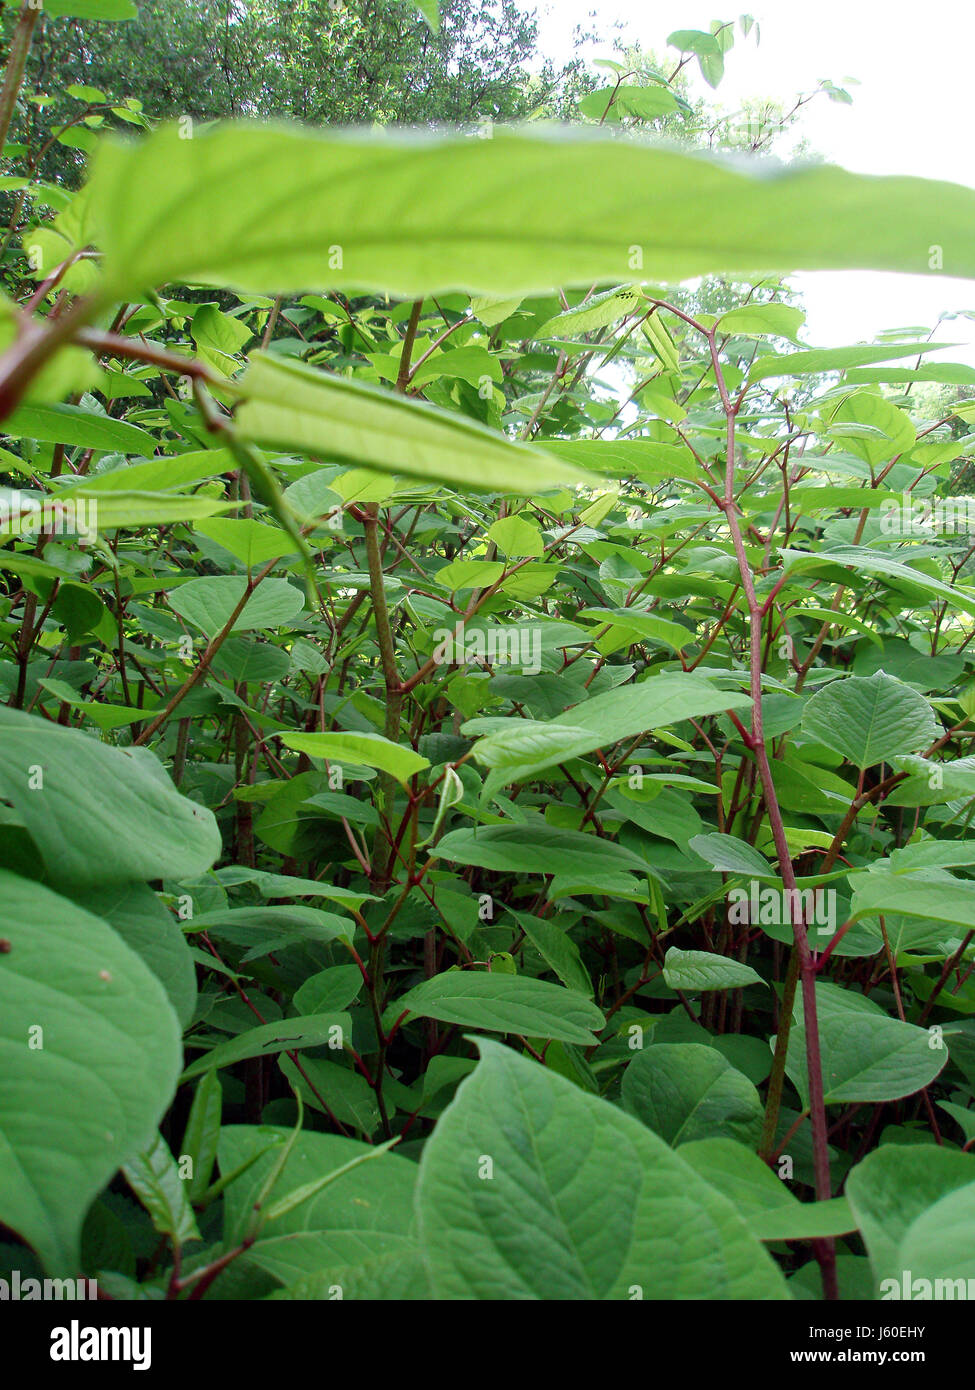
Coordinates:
<point>484,770</point>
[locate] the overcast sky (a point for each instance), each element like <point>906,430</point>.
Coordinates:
<point>913,112</point>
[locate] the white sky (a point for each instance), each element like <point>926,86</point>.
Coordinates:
<point>913,112</point>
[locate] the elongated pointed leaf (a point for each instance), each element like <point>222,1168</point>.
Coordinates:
<point>288,405</point>
<point>417,214</point>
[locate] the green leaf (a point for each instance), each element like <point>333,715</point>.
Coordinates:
<point>136,825</point>
<point>530,1188</point>
<point>134,911</point>
<point>646,103</point>
<point>598,312</point>
<point>155,1180</point>
<point>729,855</point>
<point>70,424</point>
<point>866,1055</point>
<point>557,949</point>
<point>817,360</point>
<point>873,562</point>
<point>779,320</point>
<point>250,541</point>
<point>334,1090</point>
<point>210,603</point>
<point>937,899</point>
<point>685,1091</point>
<point>894,1189</point>
<point>329,991</point>
<point>150,207</point>
<point>469,574</point>
<point>963,1117</point>
<point>355,1235</point>
<point>360,750</point>
<point>504,1003</point>
<point>203,1132</point>
<point>288,1035</point>
<point>769,1208</point>
<point>516,755</point>
<point>870,719</point>
<point>643,626</point>
<point>288,405</point>
<point>698,971</point>
<point>940,1244</point>
<point>535,849</point>
<point>91,1054</point>
<point>516,537</point>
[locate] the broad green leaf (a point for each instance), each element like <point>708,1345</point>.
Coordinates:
<point>612,103</point>
<point>157,474</point>
<point>866,1055</point>
<point>870,719</point>
<point>335,1090</point>
<point>684,1091</point>
<point>779,320</point>
<point>729,855</point>
<point>938,899</point>
<point>469,574</point>
<point>91,1054</point>
<point>621,458</point>
<point>894,1187</point>
<point>329,991</point>
<point>134,911</point>
<point>111,510</point>
<point>250,541</point>
<point>504,1003</point>
<point>643,626</point>
<point>698,971</point>
<point>210,603</point>
<point>136,825</point>
<point>870,426</point>
<point>932,783</point>
<point>530,1188</point>
<point>149,206</point>
<point>940,1244</point>
<point>598,312</point>
<point>516,537</point>
<point>363,750</point>
<point>963,1117</point>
